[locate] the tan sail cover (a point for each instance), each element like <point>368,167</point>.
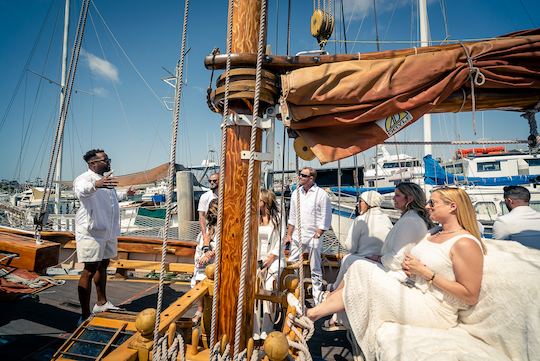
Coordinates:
<point>343,108</point>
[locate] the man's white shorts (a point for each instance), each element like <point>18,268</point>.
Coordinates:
<point>91,250</point>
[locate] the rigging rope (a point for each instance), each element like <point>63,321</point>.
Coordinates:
<point>299,231</point>
<point>41,218</point>
<point>219,226</point>
<point>172,170</point>
<point>251,171</point>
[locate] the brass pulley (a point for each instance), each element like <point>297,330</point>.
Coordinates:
<point>302,150</point>
<point>322,26</point>
<point>242,90</point>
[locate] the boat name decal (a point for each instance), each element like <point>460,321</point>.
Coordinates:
<point>394,123</point>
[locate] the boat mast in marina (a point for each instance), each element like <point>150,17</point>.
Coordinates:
<point>58,173</point>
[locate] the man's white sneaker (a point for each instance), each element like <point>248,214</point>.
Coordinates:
<point>104,307</point>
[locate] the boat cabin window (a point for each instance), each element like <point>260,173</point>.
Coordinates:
<point>489,166</point>
<point>404,164</point>
<point>486,208</point>
<point>456,168</point>
<point>533,162</point>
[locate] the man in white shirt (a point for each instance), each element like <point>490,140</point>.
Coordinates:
<point>97,226</point>
<point>316,215</point>
<point>205,200</point>
<point>522,224</point>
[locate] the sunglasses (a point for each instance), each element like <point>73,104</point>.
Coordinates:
<point>304,175</point>
<point>213,180</point>
<point>106,160</point>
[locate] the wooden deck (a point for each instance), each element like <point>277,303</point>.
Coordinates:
<point>34,328</point>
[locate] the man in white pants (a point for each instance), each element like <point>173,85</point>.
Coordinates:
<point>316,215</point>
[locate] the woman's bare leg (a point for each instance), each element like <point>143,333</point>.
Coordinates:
<point>332,304</point>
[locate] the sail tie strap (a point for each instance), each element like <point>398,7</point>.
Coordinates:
<point>172,170</point>
<point>533,140</point>
<point>477,79</point>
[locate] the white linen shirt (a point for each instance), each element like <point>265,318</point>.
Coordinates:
<point>98,217</point>
<point>367,233</point>
<point>522,225</point>
<point>315,212</point>
<point>408,231</point>
<point>205,200</point>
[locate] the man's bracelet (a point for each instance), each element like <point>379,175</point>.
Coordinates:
<point>205,249</point>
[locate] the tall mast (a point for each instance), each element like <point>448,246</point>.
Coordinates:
<point>424,41</point>
<point>58,173</point>
<point>245,29</point>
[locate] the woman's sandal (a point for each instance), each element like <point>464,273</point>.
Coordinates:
<point>197,318</point>
<point>330,326</point>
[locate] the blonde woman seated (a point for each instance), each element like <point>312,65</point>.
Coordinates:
<point>445,270</point>
<point>204,255</point>
<point>271,260</point>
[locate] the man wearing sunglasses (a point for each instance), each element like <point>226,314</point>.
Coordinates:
<point>97,227</point>
<point>316,215</point>
<point>205,200</point>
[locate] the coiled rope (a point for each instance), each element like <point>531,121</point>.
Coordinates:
<point>165,352</point>
<point>172,170</point>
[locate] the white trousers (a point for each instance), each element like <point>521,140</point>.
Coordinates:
<point>313,248</point>
<point>264,311</point>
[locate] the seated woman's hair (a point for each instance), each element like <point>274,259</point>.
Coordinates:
<point>465,214</point>
<point>211,216</point>
<point>418,203</point>
<point>269,199</point>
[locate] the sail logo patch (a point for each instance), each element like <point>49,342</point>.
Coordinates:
<point>394,123</point>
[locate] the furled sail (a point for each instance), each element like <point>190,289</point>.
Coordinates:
<point>343,108</point>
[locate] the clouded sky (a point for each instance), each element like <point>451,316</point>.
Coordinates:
<point>130,46</point>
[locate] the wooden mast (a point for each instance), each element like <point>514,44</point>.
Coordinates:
<point>244,40</point>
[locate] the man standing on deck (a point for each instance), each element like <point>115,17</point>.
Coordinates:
<point>522,224</point>
<point>205,200</point>
<point>97,227</point>
<point>315,218</point>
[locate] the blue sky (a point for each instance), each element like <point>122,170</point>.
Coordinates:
<point>119,107</point>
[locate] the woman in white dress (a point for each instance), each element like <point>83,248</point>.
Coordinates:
<point>204,255</point>
<point>445,270</point>
<point>271,259</point>
<point>411,227</point>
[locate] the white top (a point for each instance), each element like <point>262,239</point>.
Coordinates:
<point>98,217</point>
<point>407,231</point>
<point>315,212</point>
<point>198,271</point>
<point>205,200</point>
<point>522,225</point>
<point>269,241</point>
<point>367,233</point>
<point>436,256</point>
